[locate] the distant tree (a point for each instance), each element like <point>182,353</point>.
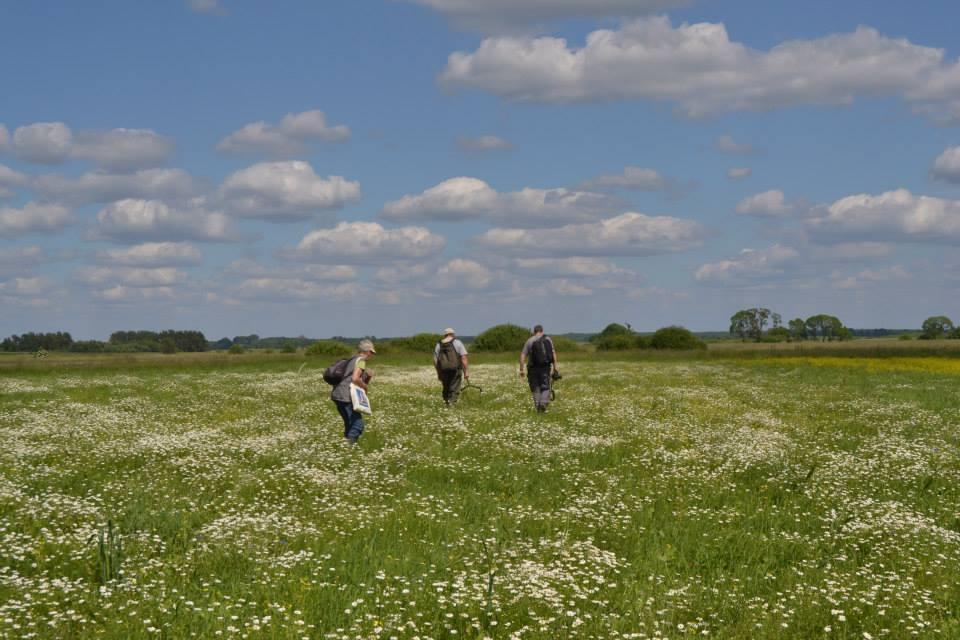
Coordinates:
<point>289,347</point>
<point>502,337</point>
<point>32,342</point>
<point>936,327</point>
<point>778,334</point>
<point>167,345</point>
<point>798,329</point>
<point>750,323</point>
<point>825,327</point>
<point>221,344</point>
<point>611,330</point>
<point>676,338</point>
<point>247,341</point>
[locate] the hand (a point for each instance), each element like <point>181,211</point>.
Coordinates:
<point>466,375</point>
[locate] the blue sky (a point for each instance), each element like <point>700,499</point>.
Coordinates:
<point>389,167</point>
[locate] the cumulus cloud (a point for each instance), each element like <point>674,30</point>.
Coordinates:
<point>291,137</point>
<point>10,178</point>
<point>153,254</point>
<point>469,198</point>
<point>113,150</point>
<point>462,275</point>
<point>136,220</point>
<point>499,15</point>
<point>121,294</point>
<point>27,287</point>
<point>636,178</point>
<point>365,242</point>
<point>701,70</point>
<point>726,144</point>
<point>33,218</point>
<point>284,192</point>
<point>4,138</point>
<point>947,165</point>
<point>19,259</point>
<point>870,277</point>
<point>251,269</point>
<point>769,204</point>
<point>895,215</point>
<point>576,267</point>
<point>128,276</point>
<point>750,265</point>
<point>206,6</point>
<point>739,173</point>
<point>147,184</point>
<point>851,252</point>
<point>293,289</point>
<point>400,273</point>
<point>483,143</point>
<point>629,234</point>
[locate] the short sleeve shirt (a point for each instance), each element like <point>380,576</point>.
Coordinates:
<point>457,346</point>
<point>341,392</point>
<point>529,343</point>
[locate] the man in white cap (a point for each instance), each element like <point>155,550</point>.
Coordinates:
<point>450,359</point>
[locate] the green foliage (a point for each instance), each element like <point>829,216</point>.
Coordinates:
<point>778,334</point>
<point>798,329</point>
<point>328,348</point>
<point>192,341</point>
<point>29,342</point>
<point>109,553</point>
<point>289,347</point>
<point>904,337</point>
<point>502,337</point>
<point>619,342</point>
<point>612,330</point>
<point>236,349</point>
<point>750,323</point>
<point>936,327</point>
<point>563,344</point>
<point>420,343</point>
<point>826,327</point>
<point>88,346</point>
<point>676,338</point>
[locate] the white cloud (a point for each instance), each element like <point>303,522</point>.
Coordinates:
<point>564,287</point>
<point>483,143</point>
<point>27,287</point>
<point>750,265</point>
<point>11,178</point>
<point>698,67</point>
<point>870,277</point>
<point>148,184</point>
<point>629,234</point>
<point>469,198</point>
<point>499,15</point>
<point>113,150</point>
<point>43,142</point>
<point>851,252</point>
<point>726,144</point>
<point>290,137</point>
<point>122,293</point>
<point>400,273</point>
<point>576,267</point>
<point>251,269</point>
<point>895,215</point>
<point>128,276</point>
<point>206,6</point>
<point>769,204</point>
<point>284,191</point>
<point>20,259</point>
<point>632,178</point>
<point>136,220</point>
<point>364,242</point>
<point>462,275</point>
<point>153,254</point>
<point>293,289</point>
<point>947,165</point>
<point>739,173</point>
<point>33,218</point>
<point>4,138</point>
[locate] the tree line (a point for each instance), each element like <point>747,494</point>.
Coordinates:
<point>751,324</point>
<point>169,341</point>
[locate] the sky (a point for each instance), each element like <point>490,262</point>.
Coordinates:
<point>386,167</point>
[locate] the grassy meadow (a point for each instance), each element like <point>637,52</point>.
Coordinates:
<point>720,495</point>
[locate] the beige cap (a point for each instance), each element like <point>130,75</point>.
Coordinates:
<point>366,345</point>
<point>449,332</point>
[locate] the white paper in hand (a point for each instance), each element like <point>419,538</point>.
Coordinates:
<point>360,400</point>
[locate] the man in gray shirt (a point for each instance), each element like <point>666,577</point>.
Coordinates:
<point>449,359</point>
<point>540,358</point>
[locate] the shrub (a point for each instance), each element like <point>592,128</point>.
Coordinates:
<point>676,338</point>
<point>289,347</point>
<point>616,342</point>
<point>777,334</point>
<point>503,337</point>
<point>905,336</point>
<point>88,346</point>
<point>422,342</point>
<point>328,348</point>
<point>563,344</point>
<point>612,330</point>
<point>236,349</point>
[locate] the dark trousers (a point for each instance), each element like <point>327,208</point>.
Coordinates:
<point>539,380</point>
<point>452,382</point>
<point>352,420</point>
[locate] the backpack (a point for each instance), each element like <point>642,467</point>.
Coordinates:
<point>448,359</point>
<point>335,373</point>
<point>541,352</point>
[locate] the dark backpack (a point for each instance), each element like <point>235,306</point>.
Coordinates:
<point>335,373</point>
<point>448,359</point>
<point>541,352</point>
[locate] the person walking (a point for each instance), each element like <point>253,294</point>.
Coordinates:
<point>450,360</point>
<point>540,358</point>
<point>358,374</point>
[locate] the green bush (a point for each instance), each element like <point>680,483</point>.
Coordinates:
<point>328,348</point>
<point>289,347</point>
<point>676,338</point>
<point>563,344</point>
<point>612,330</point>
<point>617,342</point>
<point>422,343</point>
<point>905,336</point>
<point>777,334</point>
<point>503,337</point>
<point>236,349</point>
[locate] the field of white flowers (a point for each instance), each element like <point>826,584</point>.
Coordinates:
<point>784,499</point>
